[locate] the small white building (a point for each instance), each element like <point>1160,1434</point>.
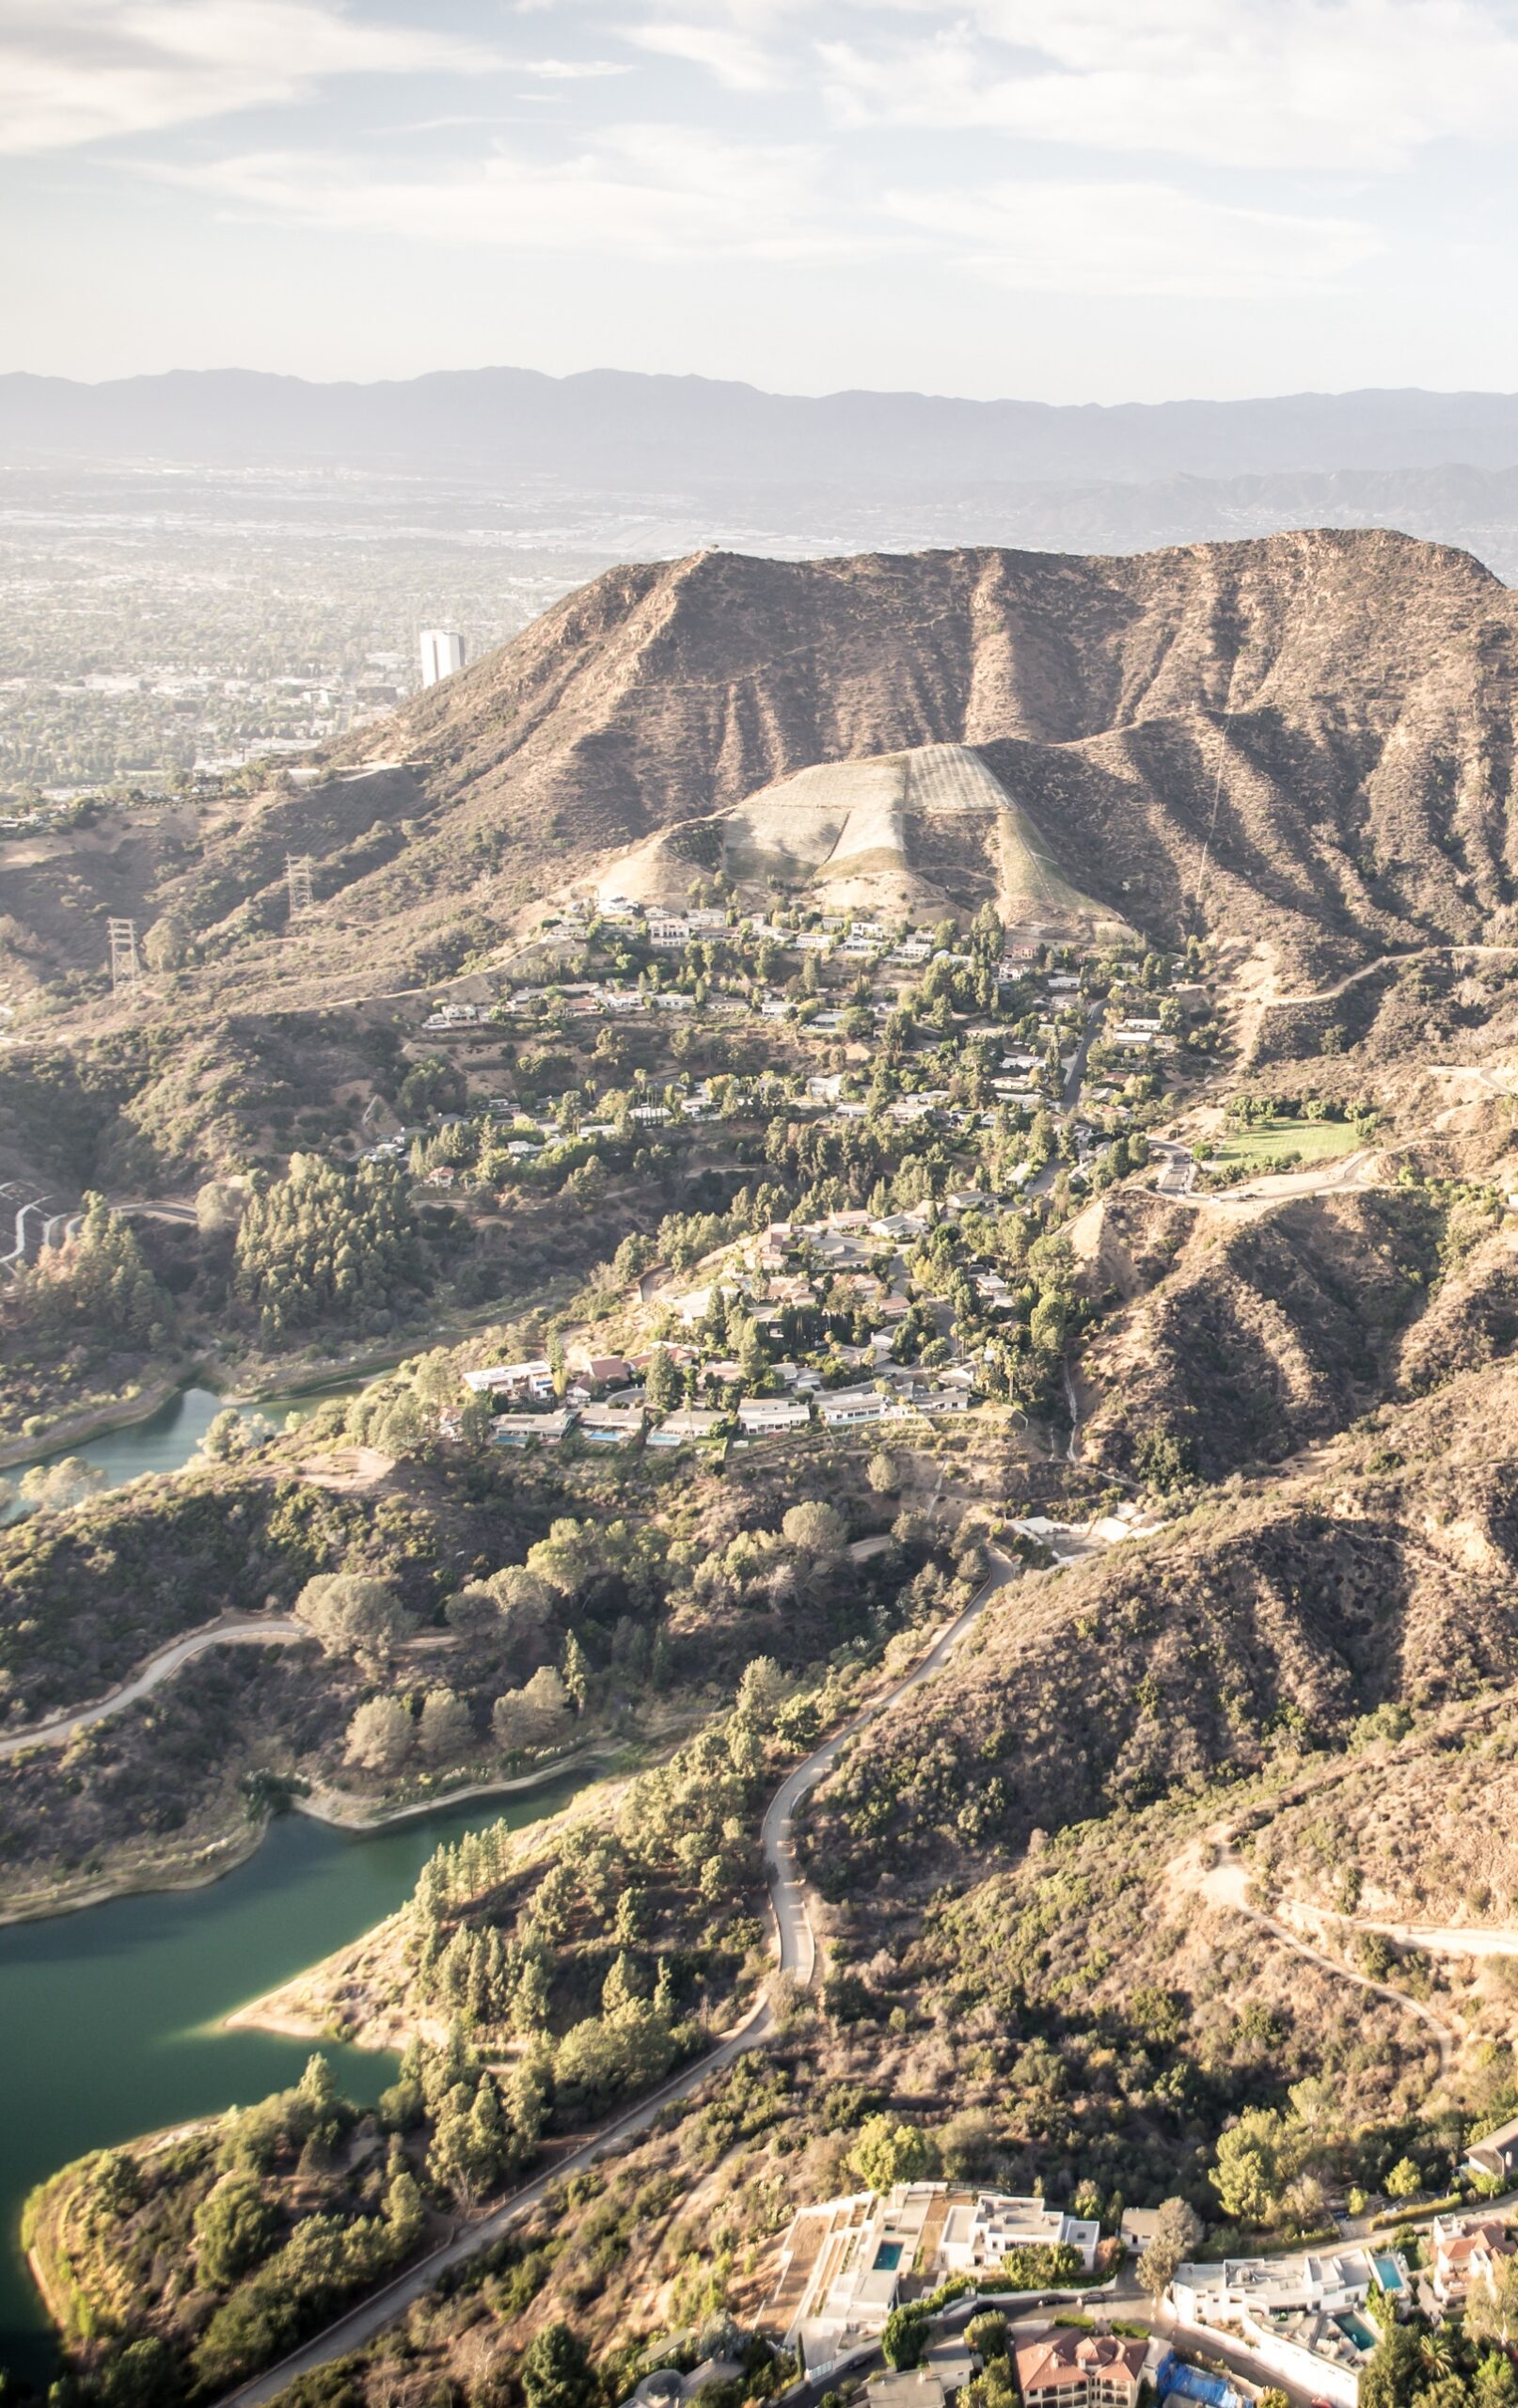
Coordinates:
<point>978,2232</point>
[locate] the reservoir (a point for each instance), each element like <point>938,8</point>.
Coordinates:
<point>165,1440</point>
<point>108,2018</point>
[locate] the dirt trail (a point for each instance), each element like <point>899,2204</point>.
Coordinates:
<point>1209,1868</point>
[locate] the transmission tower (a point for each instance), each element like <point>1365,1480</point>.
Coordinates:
<point>298,879</point>
<point>125,966</point>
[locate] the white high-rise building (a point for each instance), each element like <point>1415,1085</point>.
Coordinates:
<point>441,652</point>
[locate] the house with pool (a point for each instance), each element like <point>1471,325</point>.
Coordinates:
<point>847,2263</point>
<point>1304,2317</point>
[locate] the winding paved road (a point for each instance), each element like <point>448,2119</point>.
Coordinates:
<point>797,1956</point>
<point>58,1729</point>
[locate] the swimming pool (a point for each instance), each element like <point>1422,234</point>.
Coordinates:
<point>886,2257</point>
<point>1354,2328</point>
<point>1388,2274</point>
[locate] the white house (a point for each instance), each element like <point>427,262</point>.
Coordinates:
<point>521,1429</point>
<point>843,2263</point>
<point>1468,2254</point>
<point>534,1378</point>
<point>758,1414</point>
<point>611,1425</point>
<point>1302,2317</point>
<point>979,2230</point>
<point>847,1408</point>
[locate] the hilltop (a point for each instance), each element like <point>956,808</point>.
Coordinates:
<point>1303,741</point>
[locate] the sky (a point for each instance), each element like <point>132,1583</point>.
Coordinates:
<point>1066,201</point>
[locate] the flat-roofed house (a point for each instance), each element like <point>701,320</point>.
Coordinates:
<point>980,2228</point>
<point>691,1426</point>
<point>522,1429</point>
<point>611,1425</point>
<point>843,2263</point>
<point>1300,2316</point>
<point>757,1414</point>
<point>847,1408</point>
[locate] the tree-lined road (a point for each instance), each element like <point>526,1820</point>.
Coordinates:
<point>797,1952</point>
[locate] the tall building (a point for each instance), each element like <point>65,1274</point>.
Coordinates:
<point>441,654</point>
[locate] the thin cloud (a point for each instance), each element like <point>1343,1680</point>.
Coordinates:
<point>570,70</point>
<point>85,70</point>
<point>725,52</point>
<point>646,191</point>
<point>1324,85</point>
<point>1144,238</point>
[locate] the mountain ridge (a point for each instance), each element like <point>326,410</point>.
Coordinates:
<point>611,422</point>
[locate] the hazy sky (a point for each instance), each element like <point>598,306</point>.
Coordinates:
<point>1067,200</point>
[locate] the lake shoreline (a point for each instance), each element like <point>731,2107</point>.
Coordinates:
<point>237,1846</point>
<point>77,1430</point>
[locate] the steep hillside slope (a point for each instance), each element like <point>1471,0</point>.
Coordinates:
<point>1103,1688</point>
<point>908,835</point>
<point>1307,741</point>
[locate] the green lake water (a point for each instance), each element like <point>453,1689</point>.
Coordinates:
<point>167,1440</point>
<point>108,2018</point>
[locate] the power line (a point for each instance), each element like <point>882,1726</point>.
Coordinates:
<point>125,966</point>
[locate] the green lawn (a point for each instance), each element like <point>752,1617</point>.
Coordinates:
<point>1266,1145</point>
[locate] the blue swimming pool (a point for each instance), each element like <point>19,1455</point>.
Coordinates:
<point>886,2257</point>
<point>1388,2274</point>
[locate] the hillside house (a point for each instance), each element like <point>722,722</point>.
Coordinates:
<point>1302,2317</point>
<point>691,1426</point>
<point>611,1425</point>
<point>758,1415</point>
<point>844,2264</point>
<point>1070,2368</point>
<point>1466,2254</point>
<point>1497,2154</point>
<point>533,1378</point>
<point>521,1429</point>
<point>851,1408</point>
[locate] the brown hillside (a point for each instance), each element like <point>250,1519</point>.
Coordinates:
<point>1100,1688</point>
<point>1306,740</point>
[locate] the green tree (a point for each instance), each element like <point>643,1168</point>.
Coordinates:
<point>575,1673</point>
<point>885,2152</point>
<point>661,1383</point>
<point>1248,2175</point>
<point>1404,2182</point>
<point>555,2370</point>
<point>904,2339</point>
<point>234,2228</point>
<point>444,1729</point>
<point>1176,2232</point>
<point>353,1615</point>
<point>1393,2376</point>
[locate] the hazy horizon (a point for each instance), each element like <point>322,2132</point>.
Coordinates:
<point>1209,200</point>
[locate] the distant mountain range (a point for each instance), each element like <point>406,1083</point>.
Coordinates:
<point>609,425</point>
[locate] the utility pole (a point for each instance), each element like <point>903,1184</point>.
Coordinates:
<point>125,966</point>
<point>298,879</point>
